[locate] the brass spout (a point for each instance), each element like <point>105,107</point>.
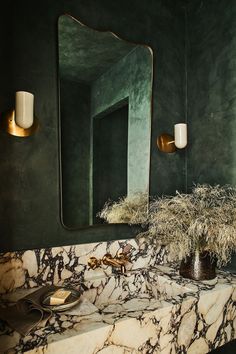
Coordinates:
<point>119,261</point>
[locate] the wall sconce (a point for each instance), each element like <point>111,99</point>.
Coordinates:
<point>168,143</point>
<point>20,121</point>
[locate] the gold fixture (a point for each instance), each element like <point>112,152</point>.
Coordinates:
<point>119,261</point>
<point>20,121</point>
<point>94,263</point>
<point>168,143</point>
<point>8,123</point>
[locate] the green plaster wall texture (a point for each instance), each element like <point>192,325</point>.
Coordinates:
<point>130,79</point>
<point>75,152</point>
<point>212,93</point>
<point>85,53</point>
<point>29,168</point>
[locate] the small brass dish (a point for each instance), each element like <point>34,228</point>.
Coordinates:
<point>72,300</point>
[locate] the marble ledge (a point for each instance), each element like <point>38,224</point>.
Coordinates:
<point>149,310</point>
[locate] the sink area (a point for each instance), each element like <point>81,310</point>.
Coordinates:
<point>161,307</point>
<point>106,302</point>
<point>149,309</point>
<point>132,291</point>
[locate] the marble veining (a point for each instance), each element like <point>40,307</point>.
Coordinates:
<point>58,265</point>
<point>151,310</point>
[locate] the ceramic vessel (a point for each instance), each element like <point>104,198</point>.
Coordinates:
<point>198,266</point>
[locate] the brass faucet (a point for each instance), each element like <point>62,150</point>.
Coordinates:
<point>119,261</point>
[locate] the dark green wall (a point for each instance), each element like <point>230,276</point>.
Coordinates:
<point>29,168</point>
<point>212,92</point>
<point>110,145</point>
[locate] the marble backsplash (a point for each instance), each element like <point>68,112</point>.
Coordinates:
<point>68,264</point>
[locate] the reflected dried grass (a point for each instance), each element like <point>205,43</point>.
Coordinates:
<point>130,209</point>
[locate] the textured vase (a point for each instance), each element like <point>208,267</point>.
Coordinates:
<point>198,266</point>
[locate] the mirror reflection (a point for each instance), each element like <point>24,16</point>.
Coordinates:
<point>105,119</point>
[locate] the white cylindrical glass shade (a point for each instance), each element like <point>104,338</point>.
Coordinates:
<point>180,135</point>
<point>24,109</point>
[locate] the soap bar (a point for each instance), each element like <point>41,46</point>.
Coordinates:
<point>59,297</point>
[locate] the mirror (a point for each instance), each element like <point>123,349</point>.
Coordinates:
<point>105,119</point>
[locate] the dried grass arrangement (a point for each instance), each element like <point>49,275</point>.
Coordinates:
<point>204,220</point>
<point>130,209</point>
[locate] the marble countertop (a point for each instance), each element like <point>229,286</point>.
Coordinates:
<point>151,310</point>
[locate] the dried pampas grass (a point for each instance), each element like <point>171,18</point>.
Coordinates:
<point>203,220</point>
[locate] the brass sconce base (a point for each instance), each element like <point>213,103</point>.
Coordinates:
<point>8,124</point>
<point>166,143</point>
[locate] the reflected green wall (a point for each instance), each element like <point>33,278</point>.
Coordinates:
<point>29,168</point>
<point>130,79</point>
<point>110,145</point>
<point>75,152</point>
